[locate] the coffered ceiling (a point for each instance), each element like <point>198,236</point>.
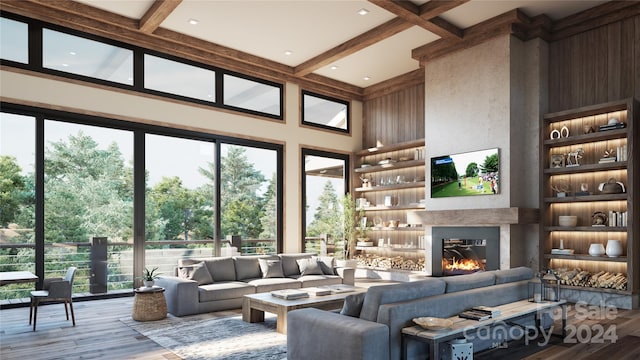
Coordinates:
<point>326,41</point>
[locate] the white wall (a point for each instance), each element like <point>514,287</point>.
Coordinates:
<point>73,96</point>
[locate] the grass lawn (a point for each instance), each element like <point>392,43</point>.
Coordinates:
<point>468,186</point>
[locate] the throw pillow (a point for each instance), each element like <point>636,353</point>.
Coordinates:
<point>327,263</point>
<point>271,268</point>
<point>353,305</point>
<point>197,272</point>
<point>309,267</point>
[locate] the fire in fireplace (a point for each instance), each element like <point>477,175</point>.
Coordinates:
<point>463,256</point>
<point>463,250</point>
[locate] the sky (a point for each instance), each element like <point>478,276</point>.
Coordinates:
<point>462,160</point>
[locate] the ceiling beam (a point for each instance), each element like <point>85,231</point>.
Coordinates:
<point>156,14</point>
<point>353,45</point>
<point>506,23</point>
<point>424,16</point>
<point>85,18</point>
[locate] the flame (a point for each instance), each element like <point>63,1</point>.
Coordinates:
<point>464,264</point>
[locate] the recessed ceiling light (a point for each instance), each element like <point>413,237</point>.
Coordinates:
<point>65,65</point>
<point>334,67</point>
<point>193,21</point>
<point>72,52</point>
<point>366,78</point>
<point>363,12</point>
<point>288,52</point>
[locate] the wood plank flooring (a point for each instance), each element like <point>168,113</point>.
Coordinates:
<point>99,334</point>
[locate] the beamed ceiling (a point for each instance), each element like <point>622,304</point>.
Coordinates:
<point>323,44</point>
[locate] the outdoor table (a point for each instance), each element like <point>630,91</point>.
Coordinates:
<point>17,277</point>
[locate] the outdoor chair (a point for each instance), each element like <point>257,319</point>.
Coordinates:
<point>54,290</point>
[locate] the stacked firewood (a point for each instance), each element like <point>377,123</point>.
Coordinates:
<point>396,262</point>
<point>601,279</point>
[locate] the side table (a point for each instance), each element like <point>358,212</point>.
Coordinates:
<point>149,304</point>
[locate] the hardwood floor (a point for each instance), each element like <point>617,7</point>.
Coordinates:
<point>99,334</point>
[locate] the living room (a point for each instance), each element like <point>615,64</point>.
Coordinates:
<point>507,82</point>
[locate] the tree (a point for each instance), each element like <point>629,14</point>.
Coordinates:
<point>269,219</point>
<point>12,190</point>
<point>88,191</point>
<point>472,170</point>
<point>328,216</point>
<point>490,164</point>
<point>241,205</point>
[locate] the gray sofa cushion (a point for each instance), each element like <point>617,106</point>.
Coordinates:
<point>271,268</point>
<point>309,267</point>
<point>290,265</point>
<point>327,264</point>
<point>386,294</point>
<point>471,281</point>
<point>248,267</point>
<point>511,275</point>
<point>224,291</point>
<point>221,269</point>
<point>197,272</point>
<point>353,304</point>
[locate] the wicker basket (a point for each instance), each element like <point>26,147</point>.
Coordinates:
<point>149,305</point>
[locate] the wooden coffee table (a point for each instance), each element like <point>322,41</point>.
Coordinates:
<point>255,305</point>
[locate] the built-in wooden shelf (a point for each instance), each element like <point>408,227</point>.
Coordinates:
<point>586,198</point>
<point>620,259</point>
<point>390,166</point>
<point>407,185</point>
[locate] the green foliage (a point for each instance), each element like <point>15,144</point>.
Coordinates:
<point>242,206</point>
<point>12,190</point>
<point>472,170</point>
<point>150,275</point>
<point>88,191</point>
<point>328,216</point>
<point>444,172</point>
<point>270,216</point>
<point>490,164</point>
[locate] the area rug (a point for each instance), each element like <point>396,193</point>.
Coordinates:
<point>197,337</point>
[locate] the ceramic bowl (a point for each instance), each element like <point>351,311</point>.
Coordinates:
<point>433,323</point>
<point>567,220</point>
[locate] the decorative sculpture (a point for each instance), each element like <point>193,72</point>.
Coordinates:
<point>574,157</point>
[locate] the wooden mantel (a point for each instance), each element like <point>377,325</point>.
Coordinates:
<point>462,217</point>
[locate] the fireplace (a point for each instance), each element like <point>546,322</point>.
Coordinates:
<point>463,250</point>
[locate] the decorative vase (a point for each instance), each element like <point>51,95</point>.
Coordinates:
<point>596,250</point>
<point>614,248</point>
<point>148,283</point>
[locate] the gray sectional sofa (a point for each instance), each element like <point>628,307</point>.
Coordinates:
<point>214,284</point>
<point>370,324</point>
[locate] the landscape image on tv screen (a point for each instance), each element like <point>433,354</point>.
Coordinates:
<point>465,174</point>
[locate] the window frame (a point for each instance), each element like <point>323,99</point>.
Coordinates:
<point>304,93</point>
<point>305,151</point>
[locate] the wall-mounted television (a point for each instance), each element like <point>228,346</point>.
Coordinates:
<point>465,174</point>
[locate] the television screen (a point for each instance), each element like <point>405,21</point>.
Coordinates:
<point>465,174</point>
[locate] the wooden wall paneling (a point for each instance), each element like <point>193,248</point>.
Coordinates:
<point>394,118</point>
<point>614,61</point>
<point>627,50</point>
<point>596,66</point>
<point>636,66</point>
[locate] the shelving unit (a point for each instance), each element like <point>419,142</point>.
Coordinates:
<point>392,183</point>
<point>583,197</point>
